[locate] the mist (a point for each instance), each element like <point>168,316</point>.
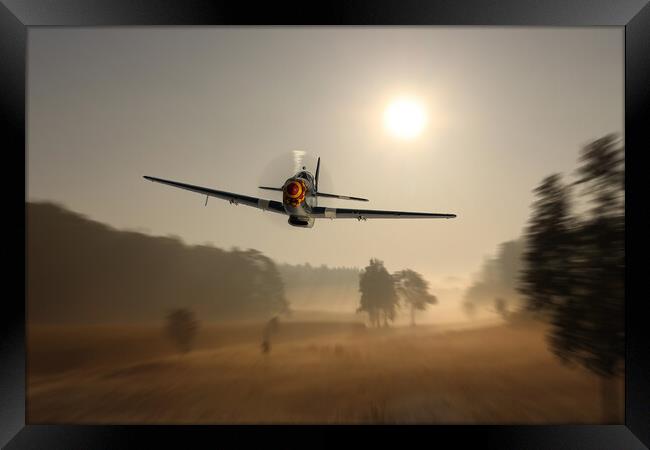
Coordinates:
<point>148,305</point>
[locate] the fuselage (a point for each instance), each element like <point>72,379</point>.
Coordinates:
<point>298,198</point>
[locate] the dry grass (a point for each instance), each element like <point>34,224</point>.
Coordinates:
<point>315,373</point>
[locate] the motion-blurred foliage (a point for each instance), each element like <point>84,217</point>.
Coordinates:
<point>574,265</point>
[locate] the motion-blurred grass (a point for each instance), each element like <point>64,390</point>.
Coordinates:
<point>315,373</point>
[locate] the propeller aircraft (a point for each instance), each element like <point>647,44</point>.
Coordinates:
<point>300,201</point>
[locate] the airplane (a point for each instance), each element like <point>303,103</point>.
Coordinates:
<point>300,201</point>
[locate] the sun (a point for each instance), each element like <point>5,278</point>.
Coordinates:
<point>405,118</point>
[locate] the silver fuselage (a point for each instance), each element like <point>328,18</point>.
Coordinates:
<point>299,209</point>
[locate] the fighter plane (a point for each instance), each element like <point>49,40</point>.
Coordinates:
<point>300,201</point>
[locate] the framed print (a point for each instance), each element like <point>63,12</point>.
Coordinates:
<point>408,221</point>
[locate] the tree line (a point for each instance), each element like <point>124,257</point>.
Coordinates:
<point>80,270</point>
<point>381,293</point>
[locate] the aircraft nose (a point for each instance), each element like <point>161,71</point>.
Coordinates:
<point>293,189</point>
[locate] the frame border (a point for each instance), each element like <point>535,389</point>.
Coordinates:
<point>16,17</point>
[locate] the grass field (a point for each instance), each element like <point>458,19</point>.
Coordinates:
<point>316,372</point>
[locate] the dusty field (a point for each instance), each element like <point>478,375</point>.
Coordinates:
<point>315,373</point>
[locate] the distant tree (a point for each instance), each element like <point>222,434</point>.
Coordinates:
<point>378,296</point>
<point>266,286</point>
<point>470,309</point>
<point>182,327</point>
<point>501,308</point>
<point>498,278</point>
<point>270,328</point>
<point>574,267</point>
<point>414,291</point>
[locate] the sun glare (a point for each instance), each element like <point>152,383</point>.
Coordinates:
<point>405,118</point>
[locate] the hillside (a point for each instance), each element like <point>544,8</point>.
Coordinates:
<point>81,270</point>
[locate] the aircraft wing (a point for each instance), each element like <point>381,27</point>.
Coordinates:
<point>342,197</point>
<point>266,205</point>
<point>362,214</point>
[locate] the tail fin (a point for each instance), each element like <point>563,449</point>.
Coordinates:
<point>317,170</point>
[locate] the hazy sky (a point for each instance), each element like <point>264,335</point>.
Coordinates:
<point>225,107</point>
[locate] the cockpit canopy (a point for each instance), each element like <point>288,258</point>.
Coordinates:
<point>305,176</point>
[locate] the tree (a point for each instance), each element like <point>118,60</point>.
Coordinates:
<point>470,309</point>
<point>270,328</point>
<point>497,278</point>
<point>414,291</point>
<point>182,327</point>
<point>595,334</point>
<point>574,267</point>
<point>378,296</point>
<point>501,308</point>
<point>545,279</point>
<point>266,288</point>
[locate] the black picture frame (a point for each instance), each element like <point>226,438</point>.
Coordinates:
<point>18,16</point>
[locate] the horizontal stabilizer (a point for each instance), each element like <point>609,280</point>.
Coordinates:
<point>342,197</point>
